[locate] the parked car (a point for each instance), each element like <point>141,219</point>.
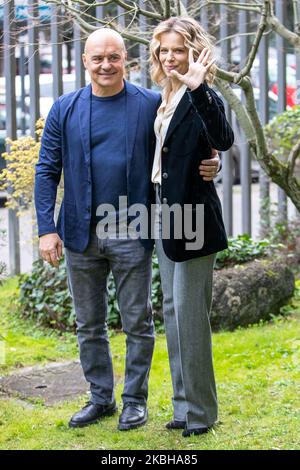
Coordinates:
<point>291,79</point>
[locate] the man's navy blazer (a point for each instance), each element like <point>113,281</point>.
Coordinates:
<point>66,147</point>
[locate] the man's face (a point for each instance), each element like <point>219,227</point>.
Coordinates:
<point>104,59</point>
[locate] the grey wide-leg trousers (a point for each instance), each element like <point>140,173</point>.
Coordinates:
<point>187,297</point>
<point>88,272</point>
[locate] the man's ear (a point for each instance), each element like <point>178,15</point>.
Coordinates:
<point>84,59</point>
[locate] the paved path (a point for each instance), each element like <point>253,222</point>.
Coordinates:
<point>54,382</point>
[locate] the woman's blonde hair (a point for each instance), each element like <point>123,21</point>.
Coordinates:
<point>194,36</point>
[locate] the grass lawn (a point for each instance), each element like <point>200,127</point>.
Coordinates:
<point>257,372</point>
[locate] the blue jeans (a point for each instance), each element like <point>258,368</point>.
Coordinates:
<point>88,273</point>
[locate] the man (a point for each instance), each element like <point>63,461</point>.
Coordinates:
<point>102,137</point>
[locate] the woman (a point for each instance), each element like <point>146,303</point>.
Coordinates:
<point>190,122</point>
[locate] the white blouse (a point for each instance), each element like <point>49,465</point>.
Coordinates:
<point>164,115</point>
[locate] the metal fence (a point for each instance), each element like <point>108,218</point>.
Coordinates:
<point>12,49</point>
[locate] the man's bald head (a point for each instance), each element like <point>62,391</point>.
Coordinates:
<point>104,58</point>
<point>104,35</point>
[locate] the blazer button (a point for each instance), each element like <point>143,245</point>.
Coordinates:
<point>88,209</point>
<point>209,97</point>
<point>165,175</point>
<point>164,200</point>
<point>165,149</point>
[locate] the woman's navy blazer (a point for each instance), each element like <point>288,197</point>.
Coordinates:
<point>198,124</point>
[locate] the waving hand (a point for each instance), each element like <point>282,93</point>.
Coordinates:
<point>197,69</point>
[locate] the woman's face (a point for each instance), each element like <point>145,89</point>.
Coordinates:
<point>173,54</point>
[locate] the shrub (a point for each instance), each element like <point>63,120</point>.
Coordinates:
<point>282,133</point>
<point>44,296</point>
<point>17,179</point>
<point>243,248</point>
<point>18,176</point>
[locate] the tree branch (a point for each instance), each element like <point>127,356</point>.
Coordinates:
<point>87,27</point>
<point>231,77</point>
<point>167,9</point>
<point>296,16</point>
<point>234,5</point>
<point>262,149</point>
<point>139,11</point>
<point>294,154</point>
<point>237,106</point>
<point>239,35</point>
<point>71,5</point>
<point>254,48</point>
<point>284,32</point>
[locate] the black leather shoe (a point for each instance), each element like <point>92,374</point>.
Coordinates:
<point>194,432</point>
<point>132,416</point>
<point>91,413</point>
<point>176,424</point>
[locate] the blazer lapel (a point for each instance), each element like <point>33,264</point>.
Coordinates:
<point>85,121</point>
<point>180,112</point>
<point>132,119</point>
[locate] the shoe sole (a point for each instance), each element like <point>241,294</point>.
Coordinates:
<point>128,427</point>
<point>174,427</point>
<point>74,424</point>
<point>199,432</point>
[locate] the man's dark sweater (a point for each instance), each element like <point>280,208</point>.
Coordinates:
<point>108,146</point>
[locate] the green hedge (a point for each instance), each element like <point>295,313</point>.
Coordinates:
<point>44,293</point>
<point>283,132</point>
<point>243,249</point>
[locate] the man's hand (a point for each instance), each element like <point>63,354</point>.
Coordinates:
<point>51,248</point>
<point>209,168</point>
